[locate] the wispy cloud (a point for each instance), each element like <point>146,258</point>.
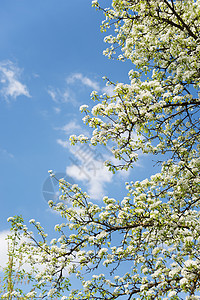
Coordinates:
<point>57,110</point>
<point>53,94</point>
<point>68,96</point>
<point>64,144</point>
<point>62,96</point>
<point>10,75</point>
<point>71,127</point>
<point>89,82</point>
<point>69,93</point>
<point>4,152</point>
<point>84,80</point>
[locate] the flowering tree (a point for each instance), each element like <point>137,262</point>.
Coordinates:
<point>149,241</point>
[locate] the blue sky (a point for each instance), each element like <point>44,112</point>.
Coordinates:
<point>50,61</point>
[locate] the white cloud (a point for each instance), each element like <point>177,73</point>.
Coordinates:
<point>64,144</point>
<point>67,96</point>
<point>95,174</point>
<point>62,96</point>
<point>84,80</point>
<point>88,166</point>
<point>53,94</point>
<point>26,266</point>
<point>3,248</point>
<point>9,79</point>
<point>71,127</point>
<point>87,163</point>
<point>4,252</point>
